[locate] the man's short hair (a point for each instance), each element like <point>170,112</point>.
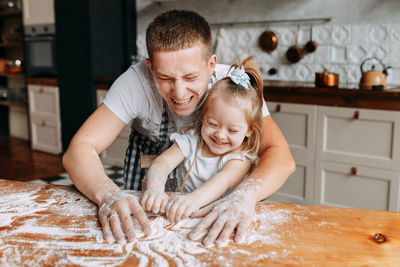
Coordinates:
<point>178,29</point>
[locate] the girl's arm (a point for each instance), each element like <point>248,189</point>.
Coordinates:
<point>182,206</point>
<point>154,198</point>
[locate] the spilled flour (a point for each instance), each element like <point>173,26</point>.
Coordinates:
<point>62,230</point>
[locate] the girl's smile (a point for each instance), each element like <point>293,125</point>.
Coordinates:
<point>224,126</point>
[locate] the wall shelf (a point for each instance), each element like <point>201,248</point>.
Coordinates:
<point>14,44</point>
<point>11,12</point>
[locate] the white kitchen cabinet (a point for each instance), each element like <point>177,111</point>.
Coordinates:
<point>297,123</point>
<point>38,12</point>
<point>115,153</point>
<point>45,122</point>
<point>351,156</point>
<point>361,136</point>
<point>353,186</point>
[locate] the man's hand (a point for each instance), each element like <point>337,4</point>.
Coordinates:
<point>233,211</point>
<point>181,206</point>
<point>115,217</point>
<point>154,200</point>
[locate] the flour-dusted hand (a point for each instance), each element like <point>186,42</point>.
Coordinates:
<point>234,211</point>
<point>154,200</point>
<point>181,206</point>
<point>115,217</point>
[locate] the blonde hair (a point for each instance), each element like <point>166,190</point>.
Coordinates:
<point>178,29</point>
<point>254,95</point>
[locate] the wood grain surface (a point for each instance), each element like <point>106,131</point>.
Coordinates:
<point>49,225</point>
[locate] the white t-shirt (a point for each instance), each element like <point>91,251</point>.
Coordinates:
<point>204,167</point>
<point>134,96</point>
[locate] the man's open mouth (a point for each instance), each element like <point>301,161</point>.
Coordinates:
<point>181,102</point>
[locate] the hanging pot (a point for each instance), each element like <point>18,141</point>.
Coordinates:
<point>294,53</point>
<point>268,41</point>
<point>310,46</point>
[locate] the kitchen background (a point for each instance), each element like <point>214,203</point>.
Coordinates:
<point>87,44</point>
<point>358,29</point>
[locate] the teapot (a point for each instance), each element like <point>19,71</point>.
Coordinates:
<point>373,79</point>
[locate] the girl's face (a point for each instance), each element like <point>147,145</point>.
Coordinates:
<point>224,125</point>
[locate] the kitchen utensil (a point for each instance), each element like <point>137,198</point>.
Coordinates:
<point>326,79</point>
<point>294,53</point>
<point>310,46</point>
<point>268,41</point>
<point>373,79</point>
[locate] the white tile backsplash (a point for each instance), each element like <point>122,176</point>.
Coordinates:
<point>341,49</point>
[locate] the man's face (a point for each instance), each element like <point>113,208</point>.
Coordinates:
<point>181,77</point>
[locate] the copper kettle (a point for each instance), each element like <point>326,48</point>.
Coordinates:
<point>373,79</point>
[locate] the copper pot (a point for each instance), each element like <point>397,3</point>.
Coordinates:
<point>326,79</point>
<point>268,41</point>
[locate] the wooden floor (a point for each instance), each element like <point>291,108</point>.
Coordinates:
<point>19,162</point>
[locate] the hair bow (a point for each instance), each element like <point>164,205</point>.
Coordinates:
<point>240,77</point>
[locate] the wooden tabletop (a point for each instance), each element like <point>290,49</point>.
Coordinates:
<point>50,225</point>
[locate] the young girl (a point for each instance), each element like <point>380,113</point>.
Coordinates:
<point>217,152</point>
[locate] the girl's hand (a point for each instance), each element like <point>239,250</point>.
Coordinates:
<point>154,200</point>
<point>181,206</point>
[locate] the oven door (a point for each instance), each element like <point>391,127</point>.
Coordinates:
<point>40,56</point>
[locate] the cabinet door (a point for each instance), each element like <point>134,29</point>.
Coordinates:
<point>38,12</point>
<point>115,153</point>
<point>45,133</point>
<point>360,136</point>
<point>352,186</point>
<point>44,113</point>
<point>297,123</point>
<point>44,100</point>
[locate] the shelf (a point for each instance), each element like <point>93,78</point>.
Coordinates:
<point>16,44</point>
<point>12,103</point>
<point>3,74</point>
<point>11,12</point>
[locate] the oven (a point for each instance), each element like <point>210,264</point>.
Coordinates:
<point>40,50</point>
<point>40,56</point>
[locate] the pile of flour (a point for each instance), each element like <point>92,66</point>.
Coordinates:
<point>80,240</point>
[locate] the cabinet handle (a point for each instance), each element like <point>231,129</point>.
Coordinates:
<point>43,123</point>
<point>353,171</point>
<point>41,90</point>
<point>278,108</point>
<point>356,115</point>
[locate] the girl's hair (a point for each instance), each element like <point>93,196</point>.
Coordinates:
<point>254,95</point>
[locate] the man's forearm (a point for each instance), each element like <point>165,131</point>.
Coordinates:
<point>83,164</point>
<point>274,167</point>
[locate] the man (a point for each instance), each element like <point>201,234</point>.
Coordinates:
<point>160,95</point>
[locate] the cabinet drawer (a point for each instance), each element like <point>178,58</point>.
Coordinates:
<point>359,136</point>
<point>347,185</point>
<point>45,134</point>
<point>298,188</point>
<point>297,123</point>
<point>43,99</point>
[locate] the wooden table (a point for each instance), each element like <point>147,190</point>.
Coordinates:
<point>48,225</point>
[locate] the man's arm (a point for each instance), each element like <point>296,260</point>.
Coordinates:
<point>83,164</point>
<point>237,209</point>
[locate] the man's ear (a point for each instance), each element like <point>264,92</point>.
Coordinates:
<point>212,62</point>
<point>148,62</point>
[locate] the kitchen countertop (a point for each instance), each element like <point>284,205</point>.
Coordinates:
<point>56,225</point>
<point>344,96</point>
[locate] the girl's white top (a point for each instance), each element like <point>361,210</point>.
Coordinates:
<point>204,167</point>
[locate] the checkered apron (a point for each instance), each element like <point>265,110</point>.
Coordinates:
<point>140,144</point>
